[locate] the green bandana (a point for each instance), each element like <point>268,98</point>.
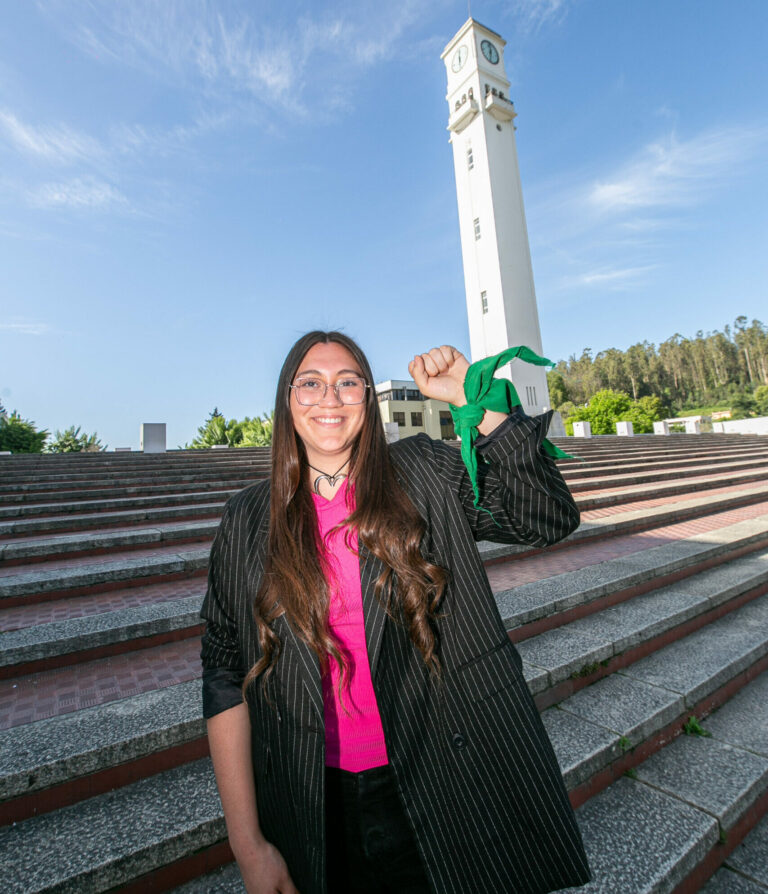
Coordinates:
<point>484,392</point>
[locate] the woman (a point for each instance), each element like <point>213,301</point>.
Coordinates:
<point>387,740</point>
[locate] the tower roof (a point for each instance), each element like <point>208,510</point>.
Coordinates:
<point>462,31</point>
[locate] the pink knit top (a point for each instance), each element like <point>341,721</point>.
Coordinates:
<point>354,738</point>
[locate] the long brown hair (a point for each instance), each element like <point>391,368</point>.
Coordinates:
<point>387,524</point>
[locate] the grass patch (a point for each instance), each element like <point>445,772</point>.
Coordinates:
<point>692,727</point>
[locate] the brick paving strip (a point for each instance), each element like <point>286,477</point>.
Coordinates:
<point>49,693</point>
<point>505,575</point>
<point>81,606</point>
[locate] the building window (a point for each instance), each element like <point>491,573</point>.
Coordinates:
<point>470,159</point>
<point>530,395</point>
<point>417,420</point>
<point>476,225</point>
<point>399,418</point>
<point>392,394</point>
<point>484,301</point>
<point>447,431</point>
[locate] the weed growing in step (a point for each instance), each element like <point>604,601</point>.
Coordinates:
<point>692,727</point>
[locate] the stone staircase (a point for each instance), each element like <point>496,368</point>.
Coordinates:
<point>650,619</point>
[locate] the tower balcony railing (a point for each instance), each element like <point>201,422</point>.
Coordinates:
<point>500,106</point>
<point>464,110</point>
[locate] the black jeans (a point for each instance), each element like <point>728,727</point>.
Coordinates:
<point>371,848</point>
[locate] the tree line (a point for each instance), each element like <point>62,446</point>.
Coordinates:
<point>19,435</point>
<point>728,367</point>
<point>219,431</point>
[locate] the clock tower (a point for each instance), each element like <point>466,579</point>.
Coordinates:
<point>498,277</point>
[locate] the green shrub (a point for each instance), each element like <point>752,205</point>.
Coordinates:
<point>20,435</point>
<point>607,407</point>
<point>256,432</point>
<point>72,441</point>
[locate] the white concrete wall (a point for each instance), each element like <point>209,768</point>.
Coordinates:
<point>758,426</point>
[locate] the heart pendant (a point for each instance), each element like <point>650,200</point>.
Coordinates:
<point>331,479</point>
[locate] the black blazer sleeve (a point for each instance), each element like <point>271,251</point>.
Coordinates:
<point>523,498</point>
<point>223,671</point>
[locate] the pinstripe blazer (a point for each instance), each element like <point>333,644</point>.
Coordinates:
<point>475,770</point>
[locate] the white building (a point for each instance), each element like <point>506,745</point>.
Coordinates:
<point>401,402</point>
<point>498,277</point>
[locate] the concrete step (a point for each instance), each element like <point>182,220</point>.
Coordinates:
<point>60,577</point>
<point>611,726</point>
<point>745,870</point>
<point>626,494</point>
<point>61,760</point>
<point>39,478</point>
<point>224,880</point>
<point>614,463</point>
<point>105,520</point>
<point>525,609</point>
<point>591,478</point>
<point>650,833</point>
<point>135,458</point>
<point>562,660</point>
<point>50,547</point>
<point>68,495</point>
<point>46,646</point>
<point>78,473</point>
<point>39,518</point>
<point>88,482</point>
<point>619,457</point>
<point>575,646</point>
<point>24,511</point>
<point>117,837</point>
<point>38,582</point>
<point>595,728</point>
<point>686,808</point>
<point>534,607</point>
<point>645,518</point>
<point>645,442</point>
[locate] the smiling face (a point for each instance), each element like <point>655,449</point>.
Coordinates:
<point>328,430</point>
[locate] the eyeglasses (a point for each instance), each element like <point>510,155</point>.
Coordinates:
<point>350,390</point>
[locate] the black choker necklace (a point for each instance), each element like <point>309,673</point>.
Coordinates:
<point>331,479</point>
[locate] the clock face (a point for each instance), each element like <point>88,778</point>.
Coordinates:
<point>459,58</point>
<point>489,51</point>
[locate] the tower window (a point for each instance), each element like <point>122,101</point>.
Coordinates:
<point>484,301</point>
<point>476,225</point>
<point>470,159</point>
<point>530,395</point>
<point>399,418</point>
<point>417,420</point>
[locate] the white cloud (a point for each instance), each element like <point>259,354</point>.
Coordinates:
<point>81,193</point>
<point>610,231</point>
<point>25,328</point>
<point>531,15</point>
<point>49,143</point>
<point>616,277</point>
<point>672,172</point>
<point>296,61</point>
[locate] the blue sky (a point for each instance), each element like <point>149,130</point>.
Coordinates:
<point>187,186</point>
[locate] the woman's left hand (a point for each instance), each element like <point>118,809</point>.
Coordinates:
<point>440,373</point>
